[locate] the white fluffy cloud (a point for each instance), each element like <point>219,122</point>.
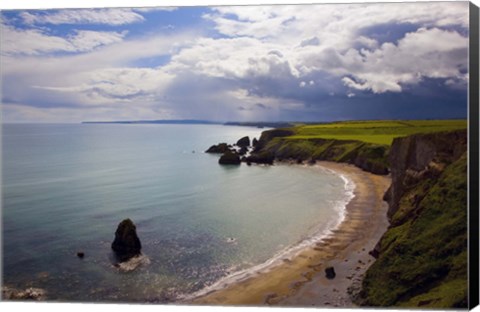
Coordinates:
<point>83,16</point>
<point>37,41</point>
<point>429,53</point>
<point>231,58</point>
<point>327,38</point>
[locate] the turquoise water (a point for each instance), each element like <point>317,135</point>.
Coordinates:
<point>66,188</point>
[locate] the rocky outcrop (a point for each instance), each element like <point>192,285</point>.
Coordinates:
<point>220,148</point>
<point>31,293</point>
<point>126,243</point>
<point>229,158</point>
<point>244,142</point>
<point>254,142</point>
<point>269,135</point>
<point>417,157</point>
<point>243,151</point>
<point>263,157</point>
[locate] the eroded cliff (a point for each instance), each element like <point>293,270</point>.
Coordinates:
<point>422,258</point>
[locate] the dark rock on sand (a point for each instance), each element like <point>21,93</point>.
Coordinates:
<point>330,273</point>
<point>126,244</point>
<point>218,149</point>
<point>80,254</point>
<point>244,142</point>
<point>229,158</point>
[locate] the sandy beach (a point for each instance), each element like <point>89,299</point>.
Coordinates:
<point>301,281</point>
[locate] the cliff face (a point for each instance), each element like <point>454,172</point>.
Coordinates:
<point>422,258</point>
<point>418,157</point>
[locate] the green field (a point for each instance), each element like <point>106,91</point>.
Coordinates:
<point>377,132</point>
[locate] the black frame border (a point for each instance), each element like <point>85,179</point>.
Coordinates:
<point>473,154</point>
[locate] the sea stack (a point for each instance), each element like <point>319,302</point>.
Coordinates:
<point>229,158</point>
<point>244,142</point>
<point>126,244</point>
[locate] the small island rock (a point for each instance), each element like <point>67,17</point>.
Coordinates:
<point>126,244</point>
<point>218,149</point>
<point>244,142</point>
<point>229,158</point>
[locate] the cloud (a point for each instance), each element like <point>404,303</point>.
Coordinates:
<point>118,16</point>
<point>98,81</point>
<point>232,58</point>
<point>36,41</point>
<point>253,63</point>
<point>334,39</point>
<point>261,106</point>
<point>312,41</point>
<point>426,53</point>
<point>155,9</point>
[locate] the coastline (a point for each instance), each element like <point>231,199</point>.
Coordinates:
<point>301,281</point>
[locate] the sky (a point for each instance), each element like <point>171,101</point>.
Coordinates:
<point>236,63</point>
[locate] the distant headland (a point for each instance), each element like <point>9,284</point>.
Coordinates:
<point>258,124</point>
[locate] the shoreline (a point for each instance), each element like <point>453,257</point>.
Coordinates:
<point>300,281</point>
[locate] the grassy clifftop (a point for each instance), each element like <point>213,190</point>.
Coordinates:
<point>365,144</point>
<point>376,132</point>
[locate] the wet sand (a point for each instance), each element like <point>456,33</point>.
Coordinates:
<point>301,281</point>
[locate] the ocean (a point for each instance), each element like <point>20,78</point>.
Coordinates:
<point>67,186</point>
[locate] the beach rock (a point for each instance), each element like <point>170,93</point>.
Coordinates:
<point>229,158</point>
<point>330,273</point>
<point>27,294</point>
<point>126,244</point>
<point>254,142</point>
<point>80,254</point>
<point>218,149</point>
<point>244,142</point>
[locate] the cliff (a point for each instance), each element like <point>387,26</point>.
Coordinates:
<point>422,258</point>
<point>278,144</point>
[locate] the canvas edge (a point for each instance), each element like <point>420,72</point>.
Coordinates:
<point>473,241</point>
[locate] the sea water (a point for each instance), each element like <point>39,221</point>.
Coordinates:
<point>67,186</point>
